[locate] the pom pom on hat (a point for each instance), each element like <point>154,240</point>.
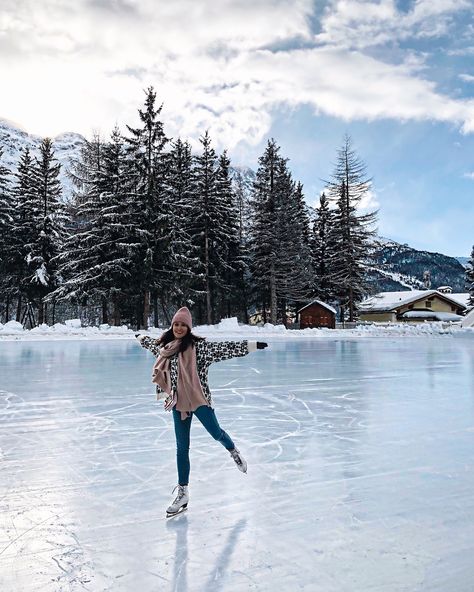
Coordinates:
<point>183,316</point>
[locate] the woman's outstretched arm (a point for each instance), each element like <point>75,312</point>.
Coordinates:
<point>149,343</point>
<point>217,351</point>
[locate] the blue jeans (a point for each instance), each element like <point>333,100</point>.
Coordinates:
<point>182,428</point>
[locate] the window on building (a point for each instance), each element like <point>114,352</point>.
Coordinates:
<point>428,304</point>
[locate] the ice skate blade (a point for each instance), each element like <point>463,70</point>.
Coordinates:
<point>180,511</point>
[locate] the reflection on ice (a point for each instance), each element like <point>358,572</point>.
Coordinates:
<point>360,470</point>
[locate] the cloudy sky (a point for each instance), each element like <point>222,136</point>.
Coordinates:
<point>397,75</point>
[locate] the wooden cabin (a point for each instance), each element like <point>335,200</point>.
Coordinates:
<point>317,314</point>
<point>413,306</point>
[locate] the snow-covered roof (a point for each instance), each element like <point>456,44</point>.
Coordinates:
<point>431,314</point>
<point>387,301</point>
<point>461,297</point>
<point>323,304</point>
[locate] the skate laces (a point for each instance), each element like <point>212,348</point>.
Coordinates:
<point>236,456</point>
<point>180,493</point>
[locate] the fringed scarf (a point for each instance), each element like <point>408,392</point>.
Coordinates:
<point>189,395</point>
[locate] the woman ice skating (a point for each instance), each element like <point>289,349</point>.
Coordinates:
<point>180,373</point>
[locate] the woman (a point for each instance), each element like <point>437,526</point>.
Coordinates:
<point>180,373</point>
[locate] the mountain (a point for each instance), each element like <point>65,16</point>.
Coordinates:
<point>463,260</point>
<point>392,266</point>
<point>13,140</point>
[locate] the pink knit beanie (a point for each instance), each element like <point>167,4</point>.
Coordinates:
<point>183,316</point>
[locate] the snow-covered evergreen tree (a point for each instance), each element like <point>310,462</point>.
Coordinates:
<point>96,260</point>
<point>210,227</point>
<point>298,248</point>
<point>147,179</point>
<point>264,238</point>
<point>244,221</point>
<point>23,228</point>
<point>279,235</point>
<point>233,263</point>
<point>323,250</point>
<point>6,220</point>
<point>470,278</point>
<point>45,243</point>
<point>183,265</point>
<point>348,185</point>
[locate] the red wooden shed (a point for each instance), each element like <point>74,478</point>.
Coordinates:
<point>317,314</point>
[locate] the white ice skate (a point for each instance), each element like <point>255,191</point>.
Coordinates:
<point>180,503</point>
<point>239,460</point>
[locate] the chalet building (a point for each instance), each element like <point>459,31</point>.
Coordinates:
<point>414,306</point>
<point>317,314</point>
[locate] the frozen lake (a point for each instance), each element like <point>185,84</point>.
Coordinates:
<point>360,472</point>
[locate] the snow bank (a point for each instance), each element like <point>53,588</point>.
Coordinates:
<point>231,329</point>
<point>12,327</point>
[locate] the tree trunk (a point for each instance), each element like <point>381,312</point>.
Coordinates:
<point>115,311</point>
<point>54,313</point>
<point>351,305</point>
<point>40,312</point>
<point>146,309</point>
<point>208,287</point>
<point>283,312</point>
<point>165,312</point>
<point>273,296</point>
<point>155,310</point>
<point>18,309</point>
<point>7,309</point>
<point>105,311</point>
<point>139,312</point>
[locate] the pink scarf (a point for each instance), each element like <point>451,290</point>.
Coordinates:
<point>189,385</point>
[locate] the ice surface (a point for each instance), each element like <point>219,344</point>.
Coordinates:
<point>360,470</point>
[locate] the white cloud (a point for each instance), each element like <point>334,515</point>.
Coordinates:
<point>365,23</point>
<point>469,175</point>
<point>369,201</point>
<point>82,66</point>
<point>466,77</point>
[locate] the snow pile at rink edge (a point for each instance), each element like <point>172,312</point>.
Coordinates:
<point>231,329</point>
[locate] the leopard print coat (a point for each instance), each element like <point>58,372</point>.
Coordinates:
<point>207,352</point>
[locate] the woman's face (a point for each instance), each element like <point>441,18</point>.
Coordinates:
<point>180,330</point>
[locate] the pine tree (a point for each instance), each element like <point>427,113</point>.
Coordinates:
<point>6,220</point>
<point>96,262</point>
<point>23,228</point>
<point>207,231</point>
<point>230,248</point>
<point>147,178</point>
<point>323,250</point>
<point>470,278</point>
<point>183,265</point>
<point>46,241</point>
<point>244,215</point>
<point>293,269</point>
<point>354,231</point>
<point>279,238</point>
<point>263,236</point>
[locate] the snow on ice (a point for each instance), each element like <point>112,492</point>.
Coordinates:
<point>228,328</point>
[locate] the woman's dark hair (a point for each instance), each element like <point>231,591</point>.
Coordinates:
<point>188,340</point>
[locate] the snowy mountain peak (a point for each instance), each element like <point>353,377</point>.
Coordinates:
<point>13,140</point>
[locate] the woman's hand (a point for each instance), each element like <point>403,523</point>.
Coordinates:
<point>261,345</point>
